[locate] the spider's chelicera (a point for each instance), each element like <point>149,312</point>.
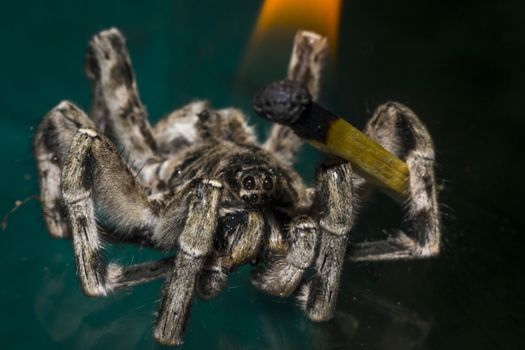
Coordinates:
<point>198,184</point>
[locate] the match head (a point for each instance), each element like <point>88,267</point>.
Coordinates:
<point>282,101</point>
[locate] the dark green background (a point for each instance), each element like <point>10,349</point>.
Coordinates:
<point>458,64</point>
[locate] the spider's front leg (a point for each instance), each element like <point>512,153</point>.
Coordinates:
<point>335,204</point>
<point>195,244</point>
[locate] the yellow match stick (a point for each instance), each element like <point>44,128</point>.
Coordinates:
<point>289,102</point>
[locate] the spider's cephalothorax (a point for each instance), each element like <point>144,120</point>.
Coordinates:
<point>198,184</point>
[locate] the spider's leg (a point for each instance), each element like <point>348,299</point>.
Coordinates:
<point>127,276</point>
<point>99,189</point>
<point>51,143</point>
<point>117,109</point>
<point>401,132</point>
<point>195,244</point>
<point>283,272</point>
<point>306,63</point>
<point>334,202</point>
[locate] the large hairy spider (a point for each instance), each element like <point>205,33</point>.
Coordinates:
<point>199,184</point>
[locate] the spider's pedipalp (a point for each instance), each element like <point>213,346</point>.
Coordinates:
<point>282,273</point>
<point>237,242</point>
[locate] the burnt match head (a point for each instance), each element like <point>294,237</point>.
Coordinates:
<point>282,101</point>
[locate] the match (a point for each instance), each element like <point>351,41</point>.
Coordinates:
<point>289,103</point>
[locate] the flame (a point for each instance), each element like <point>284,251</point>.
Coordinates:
<point>268,50</point>
<point>283,16</point>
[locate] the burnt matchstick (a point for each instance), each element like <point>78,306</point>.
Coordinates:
<point>289,103</point>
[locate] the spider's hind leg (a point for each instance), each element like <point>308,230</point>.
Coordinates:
<point>401,132</point>
<point>117,109</point>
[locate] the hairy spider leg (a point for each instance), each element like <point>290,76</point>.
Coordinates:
<point>99,189</point>
<point>306,65</point>
<point>242,244</point>
<point>335,205</point>
<point>401,132</point>
<point>117,109</point>
<point>195,244</point>
<point>51,144</point>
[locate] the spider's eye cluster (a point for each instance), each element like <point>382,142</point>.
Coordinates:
<point>248,182</point>
<point>257,187</point>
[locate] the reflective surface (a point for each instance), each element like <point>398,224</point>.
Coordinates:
<point>459,66</point>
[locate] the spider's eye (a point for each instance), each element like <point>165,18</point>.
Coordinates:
<point>267,183</point>
<point>248,183</point>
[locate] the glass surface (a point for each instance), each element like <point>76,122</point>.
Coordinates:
<point>457,64</point>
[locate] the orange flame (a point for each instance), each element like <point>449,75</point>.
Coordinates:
<point>268,50</point>
<point>321,16</point>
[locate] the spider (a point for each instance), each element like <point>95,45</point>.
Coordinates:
<point>199,184</point>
